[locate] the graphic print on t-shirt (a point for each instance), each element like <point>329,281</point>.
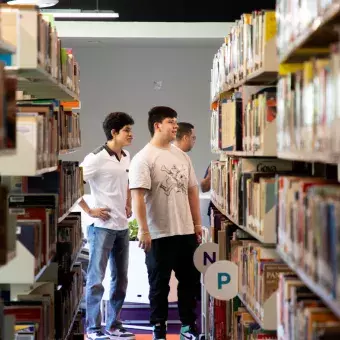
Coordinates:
<point>175,179</point>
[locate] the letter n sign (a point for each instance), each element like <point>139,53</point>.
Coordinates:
<point>205,255</point>
<point>211,257</point>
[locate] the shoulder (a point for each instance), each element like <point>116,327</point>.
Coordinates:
<point>142,155</point>
<point>178,152</point>
<point>94,156</point>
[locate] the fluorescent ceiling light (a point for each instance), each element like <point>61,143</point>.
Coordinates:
<point>78,14</point>
<point>39,3</point>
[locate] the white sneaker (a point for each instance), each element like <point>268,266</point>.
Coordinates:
<point>119,334</point>
<point>97,335</point>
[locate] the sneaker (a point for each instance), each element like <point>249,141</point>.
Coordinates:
<point>159,332</point>
<point>97,335</point>
<point>120,333</point>
<point>189,333</point>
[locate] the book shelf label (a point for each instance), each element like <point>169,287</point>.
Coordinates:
<point>205,255</point>
<point>221,280</point>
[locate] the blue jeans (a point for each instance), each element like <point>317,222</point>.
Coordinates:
<point>112,245</point>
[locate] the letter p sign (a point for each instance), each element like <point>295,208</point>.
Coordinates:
<point>223,279</point>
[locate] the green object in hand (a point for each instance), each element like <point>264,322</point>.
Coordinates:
<point>133,230</point>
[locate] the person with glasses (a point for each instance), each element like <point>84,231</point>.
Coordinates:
<point>185,136</point>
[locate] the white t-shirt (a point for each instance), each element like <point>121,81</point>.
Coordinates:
<point>166,174</point>
<point>108,179</point>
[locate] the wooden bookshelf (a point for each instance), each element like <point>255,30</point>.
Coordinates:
<point>40,74</point>
<point>331,303</point>
<point>319,33</point>
<point>305,58</point>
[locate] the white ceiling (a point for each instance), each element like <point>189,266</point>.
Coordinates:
<point>141,42</point>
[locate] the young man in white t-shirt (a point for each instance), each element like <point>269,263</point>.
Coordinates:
<point>106,171</point>
<point>166,203</point>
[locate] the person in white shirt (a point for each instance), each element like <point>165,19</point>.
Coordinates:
<point>106,171</point>
<point>185,136</point>
<point>166,204</point>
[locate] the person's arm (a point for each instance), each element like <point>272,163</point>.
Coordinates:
<point>194,202</point>
<point>139,181</point>
<point>102,213</point>
<point>139,210</point>
<point>90,166</point>
<point>206,181</point>
<point>128,207</point>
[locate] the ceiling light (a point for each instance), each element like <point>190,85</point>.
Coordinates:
<point>78,14</point>
<point>39,3</point>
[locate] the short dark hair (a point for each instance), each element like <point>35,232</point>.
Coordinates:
<point>116,121</point>
<point>157,114</point>
<point>184,129</point>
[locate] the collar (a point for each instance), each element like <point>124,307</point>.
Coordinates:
<point>112,153</point>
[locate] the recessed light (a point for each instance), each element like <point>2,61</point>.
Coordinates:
<point>39,3</point>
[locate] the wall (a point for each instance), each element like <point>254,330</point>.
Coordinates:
<point>122,78</point>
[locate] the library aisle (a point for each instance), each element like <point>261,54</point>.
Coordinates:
<point>275,129</point>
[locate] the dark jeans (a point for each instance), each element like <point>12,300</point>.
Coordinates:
<point>167,254</point>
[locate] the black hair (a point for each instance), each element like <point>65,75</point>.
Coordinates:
<point>184,129</point>
<point>157,114</point>
<point>116,121</point>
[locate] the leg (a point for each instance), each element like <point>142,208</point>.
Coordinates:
<point>101,241</point>
<point>119,262</point>
<point>159,264</point>
<point>188,278</point>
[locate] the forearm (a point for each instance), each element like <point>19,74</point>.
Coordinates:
<point>84,206</point>
<point>128,198</point>
<point>194,203</point>
<point>139,210</point>
<point>205,184</point>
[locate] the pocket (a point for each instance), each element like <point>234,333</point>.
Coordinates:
<point>90,232</point>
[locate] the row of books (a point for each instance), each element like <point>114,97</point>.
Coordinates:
<point>258,274</point>
<point>294,18</point>
<point>8,86</point>
<point>259,122</point>
<point>238,124</point>
<point>56,128</point>
<point>225,318</point>
<point>38,230</point>
<point>37,44</point>
<point>308,228</point>
<point>246,327</point>
<point>244,188</point>
<point>244,49</point>
<point>66,181</point>
<point>69,243</point>
<point>68,297</point>
<point>46,312</point>
<point>308,109</point>
<point>43,131</point>
<point>302,315</point>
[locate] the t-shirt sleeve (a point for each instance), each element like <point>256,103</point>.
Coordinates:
<point>139,174</point>
<point>192,176</point>
<point>90,166</point>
